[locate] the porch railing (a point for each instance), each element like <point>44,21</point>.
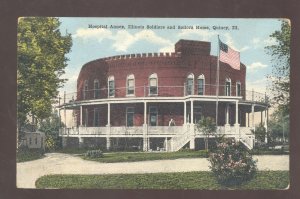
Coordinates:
<point>162,91</point>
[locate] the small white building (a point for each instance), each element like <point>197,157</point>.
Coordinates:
<point>34,140</point>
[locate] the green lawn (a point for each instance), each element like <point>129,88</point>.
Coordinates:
<point>144,156</point>
<point>189,180</point>
<point>29,154</point>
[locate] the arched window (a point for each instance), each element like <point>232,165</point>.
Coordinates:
<point>190,84</point>
<point>85,89</point>
<point>201,83</point>
<point>96,89</point>
<point>130,85</point>
<point>111,86</point>
<point>238,89</point>
<point>228,87</point>
<point>153,84</point>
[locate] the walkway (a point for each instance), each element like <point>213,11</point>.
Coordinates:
<point>57,163</point>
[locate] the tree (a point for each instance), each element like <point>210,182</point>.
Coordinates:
<point>208,127</point>
<point>260,132</point>
<point>50,126</point>
<point>280,76</point>
<point>279,126</point>
<point>41,62</point>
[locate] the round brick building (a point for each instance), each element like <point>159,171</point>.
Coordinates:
<point>152,101</point>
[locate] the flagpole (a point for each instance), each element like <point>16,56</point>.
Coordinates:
<point>217,82</point>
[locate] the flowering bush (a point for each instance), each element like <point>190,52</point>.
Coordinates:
<point>232,163</point>
<point>94,154</point>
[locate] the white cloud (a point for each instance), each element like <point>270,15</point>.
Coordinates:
<point>231,43</point>
<point>90,33</point>
<point>255,66</point>
<point>122,39</point>
<point>260,43</point>
<point>205,35</point>
<point>269,41</point>
<point>258,85</point>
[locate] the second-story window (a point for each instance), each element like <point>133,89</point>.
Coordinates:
<point>201,85</point>
<point>85,89</point>
<point>228,87</point>
<point>190,85</point>
<point>130,85</point>
<point>111,86</point>
<point>153,84</point>
<point>238,89</point>
<point>96,89</point>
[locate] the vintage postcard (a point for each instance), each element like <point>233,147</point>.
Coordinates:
<point>153,103</point>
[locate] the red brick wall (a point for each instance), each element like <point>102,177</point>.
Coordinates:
<point>172,70</point>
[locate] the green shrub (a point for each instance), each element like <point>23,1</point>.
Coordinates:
<point>94,154</point>
<point>25,154</point>
<point>232,163</point>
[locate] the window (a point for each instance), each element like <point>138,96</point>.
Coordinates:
<point>201,85</point>
<point>96,117</point>
<point>111,86</point>
<point>238,89</point>
<point>190,85</point>
<point>30,141</point>
<point>36,141</point>
<point>228,87</point>
<point>153,115</point>
<point>130,85</point>
<point>153,84</point>
<point>85,89</point>
<point>96,89</point>
<point>129,116</point>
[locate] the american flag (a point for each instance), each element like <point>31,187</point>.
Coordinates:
<point>229,56</point>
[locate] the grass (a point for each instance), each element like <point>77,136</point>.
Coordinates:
<point>24,155</point>
<point>72,150</point>
<point>143,156</point>
<point>203,180</point>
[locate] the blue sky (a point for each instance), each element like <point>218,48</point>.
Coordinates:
<point>250,38</point>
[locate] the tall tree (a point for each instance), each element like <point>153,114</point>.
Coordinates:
<point>42,59</point>
<point>280,76</point>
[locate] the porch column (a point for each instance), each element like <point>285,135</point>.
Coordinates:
<point>237,125</point>
<point>252,113</point>
<point>192,127</point>
<point>145,130</point>
<point>108,144</point>
<point>108,139</point>
<point>81,116</point>
<point>65,115</point>
<point>227,114</point>
<point>184,116</point>
<point>266,125</point>
<point>261,117</point>
<point>81,142</point>
<point>166,144</point>
<point>248,120</point>
<point>192,112</point>
<point>108,114</point>
<point>227,125</point>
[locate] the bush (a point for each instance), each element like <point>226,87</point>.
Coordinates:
<point>232,163</point>
<point>94,154</point>
<point>25,154</point>
<point>52,143</point>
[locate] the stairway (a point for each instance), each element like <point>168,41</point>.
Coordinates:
<point>247,140</point>
<point>179,141</point>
